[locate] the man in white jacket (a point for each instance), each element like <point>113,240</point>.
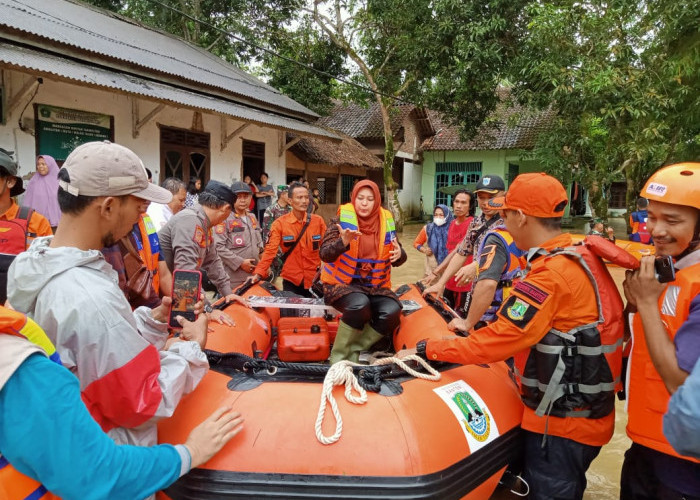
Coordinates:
<point>129,375</point>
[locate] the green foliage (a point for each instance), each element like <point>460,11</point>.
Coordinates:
<point>255,21</point>
<point>623,78</point>
<point>310,48</point>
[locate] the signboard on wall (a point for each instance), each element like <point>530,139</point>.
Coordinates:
<point>60,130</point>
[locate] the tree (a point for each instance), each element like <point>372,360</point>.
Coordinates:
<point>623,81</point>
<point>447,53</point>
<point>255,21</point>
<point>312,82</point>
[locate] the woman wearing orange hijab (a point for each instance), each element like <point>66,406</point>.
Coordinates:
<point>357,253</point>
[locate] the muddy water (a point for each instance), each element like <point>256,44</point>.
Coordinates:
<point>604,473</point>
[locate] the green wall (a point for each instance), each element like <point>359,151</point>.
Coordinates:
<point>493,162</point>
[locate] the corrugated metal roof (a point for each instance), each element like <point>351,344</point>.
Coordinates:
<point>93,30</point>
<point>106,78</point>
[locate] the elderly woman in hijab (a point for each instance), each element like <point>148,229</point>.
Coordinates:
<point>358,252</point>
<point>432,239</point>
<point>42,190</point>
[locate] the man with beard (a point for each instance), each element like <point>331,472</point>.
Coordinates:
<point>130,374</point>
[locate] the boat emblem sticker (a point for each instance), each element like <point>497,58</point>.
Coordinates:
<point>475,419</point>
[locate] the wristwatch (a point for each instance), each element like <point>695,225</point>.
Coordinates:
<point>208,308</point>
<point>420,348</point>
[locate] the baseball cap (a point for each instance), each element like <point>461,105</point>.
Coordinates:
<point>241,187</point>
<point>221,191</point>
<point>490,184</point>
<point>282,188</point>
<point>536,194</point>
<point>103,168</point>
<point>9,164</point>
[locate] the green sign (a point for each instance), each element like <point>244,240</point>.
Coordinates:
<point>60,130</point>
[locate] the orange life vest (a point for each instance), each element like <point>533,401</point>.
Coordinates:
<point>149,249</point>
<point>13,484</point>
<point>511,271</point>
<point>647,396</point>
<point>344,269</point>
<point>577,373</point>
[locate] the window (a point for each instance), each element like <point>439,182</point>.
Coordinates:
<point>253,160</point>
<point>618,195</point>
<point>347,182</point>
<point>184,154</point>
<point>397,172</point>
<point>465,174</point>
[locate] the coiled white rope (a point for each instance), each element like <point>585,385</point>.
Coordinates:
<point>341,373</point>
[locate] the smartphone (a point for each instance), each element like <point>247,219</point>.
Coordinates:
<point>664,270</point>
<point>187,286</point>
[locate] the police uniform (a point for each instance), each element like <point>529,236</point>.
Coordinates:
<point>237,239</point>
<point>186,243</point>
<point>300,266</point>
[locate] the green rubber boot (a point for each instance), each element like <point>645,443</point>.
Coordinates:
<point>369,337</point>
<point>345,344</point>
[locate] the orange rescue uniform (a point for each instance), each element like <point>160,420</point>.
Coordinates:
<point>647,394</point>
<point>38,224</point>
<point>564,299</point>
<point>301,265</point>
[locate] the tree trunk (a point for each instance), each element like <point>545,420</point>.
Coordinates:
<point>597,200</point>
<point>390,194</point>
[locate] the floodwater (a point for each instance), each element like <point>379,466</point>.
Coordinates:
<point>604,473</point>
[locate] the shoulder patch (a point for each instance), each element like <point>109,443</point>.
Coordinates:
<point>199,237</point>
<point>486,257</point>
<point>518,311</point>
<point>531,292</point>
<point>220,228</point>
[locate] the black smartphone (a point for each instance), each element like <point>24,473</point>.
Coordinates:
<point>187,285</point>
<point>664,270</point>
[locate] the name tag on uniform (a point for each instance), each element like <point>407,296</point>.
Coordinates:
<point>316,237</point>
<point>288,238</point>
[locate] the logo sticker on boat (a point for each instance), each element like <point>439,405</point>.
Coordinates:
<point>471,411</point>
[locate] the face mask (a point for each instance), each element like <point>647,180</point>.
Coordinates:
<point>439,221</point>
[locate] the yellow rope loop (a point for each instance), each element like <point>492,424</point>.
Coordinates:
<point>341,374</point>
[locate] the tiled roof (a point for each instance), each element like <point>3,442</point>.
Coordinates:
<point>96,36</point>
<point>496,133</point>
<point>348,153</point>
<point>363,122</point>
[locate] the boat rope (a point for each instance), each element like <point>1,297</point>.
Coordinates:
<point>341,373</point>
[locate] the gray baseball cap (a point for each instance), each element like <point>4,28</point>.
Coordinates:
<point>241,187</point>
<point>9,164</point>
<point>106,169</point>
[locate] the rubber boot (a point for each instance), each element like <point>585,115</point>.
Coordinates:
<point>345,344</point>
<point>369,337</point>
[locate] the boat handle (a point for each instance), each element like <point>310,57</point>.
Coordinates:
<point>527,487</point>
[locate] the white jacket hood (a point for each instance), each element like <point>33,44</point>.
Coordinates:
<point>33,269</point>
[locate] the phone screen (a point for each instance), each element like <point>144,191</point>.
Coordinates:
<point>186,285</point>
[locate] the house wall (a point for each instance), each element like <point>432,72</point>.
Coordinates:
<point>224,165</point>
<point>493,162</point>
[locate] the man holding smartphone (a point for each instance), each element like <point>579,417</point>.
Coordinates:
<point>666,344</point>
<point>130,374</point>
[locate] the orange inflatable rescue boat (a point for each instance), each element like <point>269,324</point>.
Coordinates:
<point>413,438</point>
